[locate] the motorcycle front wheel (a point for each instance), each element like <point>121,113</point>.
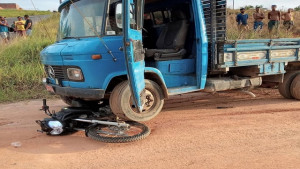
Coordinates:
<point>113,134</point>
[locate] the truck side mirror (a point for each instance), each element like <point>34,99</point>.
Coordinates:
<point>139,6</point>
<point>136,15</point>
<point>118,15</point>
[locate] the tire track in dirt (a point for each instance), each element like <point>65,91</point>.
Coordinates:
<point>270,111</point>
<point>170,105</point>
<point>4,122</point>
<point>208,100</point>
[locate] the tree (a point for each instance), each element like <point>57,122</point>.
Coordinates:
<point>297,8</point>
<point>247,7</point>
<point>260,6</point>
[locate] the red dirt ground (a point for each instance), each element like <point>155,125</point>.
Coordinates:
<point>226,130</point>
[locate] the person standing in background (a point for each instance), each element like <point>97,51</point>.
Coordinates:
<point>3,29</point>
<point>242,20</point>
<point>8,28</point>
<point>274,21</point>
<point>258,19</point>
<point>28,25</point>
<point>20,27</point>
<point>288,20</point>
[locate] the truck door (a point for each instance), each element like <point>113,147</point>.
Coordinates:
<point>133,48</point>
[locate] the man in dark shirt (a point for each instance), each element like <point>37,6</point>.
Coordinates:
<point>28,25</point>
<point>242,20</point>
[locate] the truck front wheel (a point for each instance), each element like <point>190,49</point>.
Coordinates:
<point>121,102</point>
<point>285,87</point>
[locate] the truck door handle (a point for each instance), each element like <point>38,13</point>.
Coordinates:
<point>121,48</point>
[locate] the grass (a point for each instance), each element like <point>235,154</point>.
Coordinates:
<point>15,13</point>
<point>233,33</point>
<point>21,71</point>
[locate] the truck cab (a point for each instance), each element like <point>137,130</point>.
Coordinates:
<point>134,54</point>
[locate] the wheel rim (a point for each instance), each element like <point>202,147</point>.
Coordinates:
<point>115,132</point>
<point>122,102</point>
<point>149,100</point>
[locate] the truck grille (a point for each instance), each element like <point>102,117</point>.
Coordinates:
<point>57,72</point>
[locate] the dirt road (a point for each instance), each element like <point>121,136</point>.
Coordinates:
<point>226,130</point>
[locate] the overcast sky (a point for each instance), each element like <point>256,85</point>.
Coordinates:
<point>53,4</point>
<point>40,4</point>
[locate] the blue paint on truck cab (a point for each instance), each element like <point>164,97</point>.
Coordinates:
<point>77,51</point>
<point>180,45</point>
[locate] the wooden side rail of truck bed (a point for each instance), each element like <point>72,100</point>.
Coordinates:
<point>261,52</point>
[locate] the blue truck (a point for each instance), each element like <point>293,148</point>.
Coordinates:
<point>134,54</point>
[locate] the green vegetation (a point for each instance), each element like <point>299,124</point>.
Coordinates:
<point>247,7</point>
<point>21,72</point>
<point>14,13</point>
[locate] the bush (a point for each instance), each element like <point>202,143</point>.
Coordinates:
<point>21,71</point>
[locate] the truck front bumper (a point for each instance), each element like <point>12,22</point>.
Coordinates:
<point>89,94</point>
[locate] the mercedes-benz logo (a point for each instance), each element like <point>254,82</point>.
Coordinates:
<point>51,72</point>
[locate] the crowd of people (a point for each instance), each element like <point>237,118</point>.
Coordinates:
<point>22,27</point>
<point>274,16</point>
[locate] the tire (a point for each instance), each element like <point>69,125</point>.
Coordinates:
<point>121,102</point>
<point>145,131</point>
<point>285,87</point>
<point>295,87</point>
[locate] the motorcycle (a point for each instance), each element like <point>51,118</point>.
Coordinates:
<point>98,123</point>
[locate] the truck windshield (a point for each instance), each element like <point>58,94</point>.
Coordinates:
<point>81,19</point>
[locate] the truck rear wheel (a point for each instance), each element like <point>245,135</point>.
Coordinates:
<point>295,87</point>
<point>121,102</point>
<point>285,87</point>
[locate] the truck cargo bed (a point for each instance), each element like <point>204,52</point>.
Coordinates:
<point>271,55</point>
<point>257,52</point>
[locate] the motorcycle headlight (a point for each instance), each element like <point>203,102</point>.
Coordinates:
<point>56,126</point>
<point>75,74</point>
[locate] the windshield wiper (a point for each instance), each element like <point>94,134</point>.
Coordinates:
<point>72,38</point>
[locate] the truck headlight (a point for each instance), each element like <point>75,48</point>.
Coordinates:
<point>75,74</point>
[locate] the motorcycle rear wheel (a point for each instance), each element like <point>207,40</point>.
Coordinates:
<point>113,134</point>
